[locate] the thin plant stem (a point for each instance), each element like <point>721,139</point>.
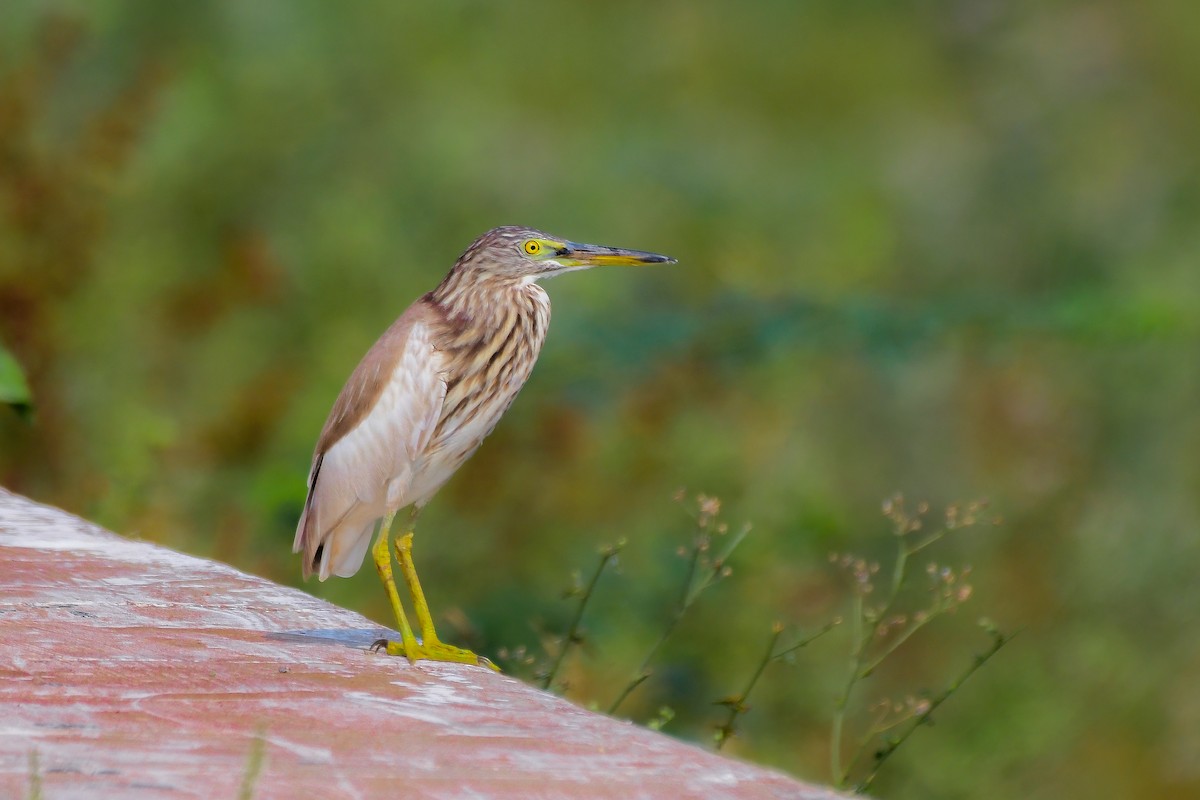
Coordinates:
<point>839,709</point>
<point>736,704</point>
<point>931,539</point>
<point>685,594</point>
<point>863,631</point>
<point>900,639</point>
<point>634,682</point>
<point>870,622</point>
<point>607,555</point>
<point>254,765</point>
<point>643,671</point>
<point>694,584</point>
<point>998,641</point>
<point>805,642</point>
<point>35,776</point>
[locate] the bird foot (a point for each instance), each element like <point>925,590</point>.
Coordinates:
<point>433,651</point>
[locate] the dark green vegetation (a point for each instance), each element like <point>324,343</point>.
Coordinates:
<point>14,389</point>
<point>947,248</point>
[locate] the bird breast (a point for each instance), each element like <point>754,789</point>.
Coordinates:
<point>488,355</point>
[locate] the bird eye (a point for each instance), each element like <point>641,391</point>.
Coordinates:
<point>533,247</point>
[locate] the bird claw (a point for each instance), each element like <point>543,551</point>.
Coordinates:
<point>434,651</point>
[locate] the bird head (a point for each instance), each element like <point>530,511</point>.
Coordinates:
<point>527,254</point>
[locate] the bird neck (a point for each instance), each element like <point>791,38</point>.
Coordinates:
<point>485,302</point>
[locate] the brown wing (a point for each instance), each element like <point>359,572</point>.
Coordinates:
<point>375,434</point>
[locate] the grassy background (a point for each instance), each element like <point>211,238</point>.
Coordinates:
<point>947,248</point>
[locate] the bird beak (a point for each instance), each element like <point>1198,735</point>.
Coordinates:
<point>574,255</point>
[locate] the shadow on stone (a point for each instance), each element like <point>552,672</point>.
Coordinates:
<point>359,638</point>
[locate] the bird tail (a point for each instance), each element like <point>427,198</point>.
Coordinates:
<point>340,550</point>
<point>336,549</point>
<point>306,540</point>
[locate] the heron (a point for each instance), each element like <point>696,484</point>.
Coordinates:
<point>421,401</point>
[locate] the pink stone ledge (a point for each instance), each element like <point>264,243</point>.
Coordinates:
<point>137,672</point>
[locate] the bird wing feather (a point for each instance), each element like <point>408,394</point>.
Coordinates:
<point>372,443</point>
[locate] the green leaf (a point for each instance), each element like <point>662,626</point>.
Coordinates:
<point>14,391</point>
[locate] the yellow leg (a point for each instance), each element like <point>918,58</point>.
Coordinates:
<point>430,643</point>
<point>409,571</point>
<point>381,553</point>
<point>430,647</point>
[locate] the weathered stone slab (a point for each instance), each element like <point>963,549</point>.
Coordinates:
<point>137,672</point>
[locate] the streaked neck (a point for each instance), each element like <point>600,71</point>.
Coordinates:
<point>474,300</point>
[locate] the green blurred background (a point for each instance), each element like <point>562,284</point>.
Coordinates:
<point>948,248</point>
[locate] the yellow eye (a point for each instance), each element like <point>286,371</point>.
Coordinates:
<point>533,247</point>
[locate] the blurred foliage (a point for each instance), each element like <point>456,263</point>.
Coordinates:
<point>14,389</point>
<point>948,248</point>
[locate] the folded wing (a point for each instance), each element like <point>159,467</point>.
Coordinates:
<point>372,445</point>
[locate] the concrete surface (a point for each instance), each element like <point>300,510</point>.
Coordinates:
<point>136,672</point>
